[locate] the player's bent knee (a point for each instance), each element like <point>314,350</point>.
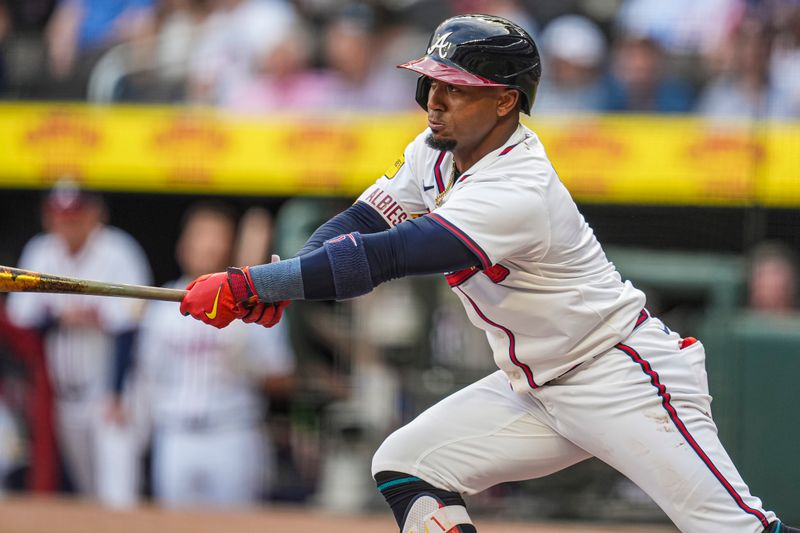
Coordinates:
<point>419,507</point>
<point>378,458</point>
<point>391,455</point>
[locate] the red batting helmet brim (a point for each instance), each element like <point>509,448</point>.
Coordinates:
<point>427,66</point>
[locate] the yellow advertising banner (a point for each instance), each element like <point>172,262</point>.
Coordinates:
<point>675,161</point>
<point>604,159</point>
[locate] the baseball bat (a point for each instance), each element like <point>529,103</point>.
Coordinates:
<point>18,280</point>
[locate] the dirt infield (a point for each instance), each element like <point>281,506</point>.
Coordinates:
<point>51,515</point>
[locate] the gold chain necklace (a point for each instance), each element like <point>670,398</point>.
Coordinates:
<point>452,181</point>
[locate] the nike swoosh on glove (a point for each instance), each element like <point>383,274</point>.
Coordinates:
<point>210,300</point>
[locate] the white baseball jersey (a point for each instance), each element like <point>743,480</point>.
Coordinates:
<point>79,359</point>
<point>203,388</point>
<point>620,385</point>
<point>546,295</point>
<point>203,375</point>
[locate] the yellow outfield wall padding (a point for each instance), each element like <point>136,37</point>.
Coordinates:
<point>603,159</point>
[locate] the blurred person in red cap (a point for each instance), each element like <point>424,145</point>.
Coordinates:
<point>88,339</point>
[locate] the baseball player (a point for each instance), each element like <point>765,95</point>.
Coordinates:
<point>88,340</point>
<point>204,387</point>
<point>584,369</point>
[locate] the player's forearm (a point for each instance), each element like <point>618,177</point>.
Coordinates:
<point>310,277</point>
<point>353,264</point>
<point>358,217</point>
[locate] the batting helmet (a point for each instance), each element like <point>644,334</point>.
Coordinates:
<point>479,50</point>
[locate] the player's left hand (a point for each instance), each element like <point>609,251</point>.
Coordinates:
<point>217,299</point>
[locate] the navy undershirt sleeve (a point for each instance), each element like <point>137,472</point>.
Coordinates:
<point>415,247</point>
<point>123,360</point>
<point>358,217</point>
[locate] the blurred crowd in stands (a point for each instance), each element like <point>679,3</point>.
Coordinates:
<point>720,58</point>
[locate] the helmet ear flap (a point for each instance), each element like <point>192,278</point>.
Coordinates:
<point>529,98</point>
<point>423,88</point>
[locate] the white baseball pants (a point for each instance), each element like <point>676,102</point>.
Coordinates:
<point>642,407</point>
<point>102,459</point>
<point>223,467</point>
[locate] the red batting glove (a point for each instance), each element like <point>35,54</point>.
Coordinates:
<point>266,314</point>
<point>210,300</point>
<point>217,299</point>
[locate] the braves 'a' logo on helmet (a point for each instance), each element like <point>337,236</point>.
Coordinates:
<point>441,45</point>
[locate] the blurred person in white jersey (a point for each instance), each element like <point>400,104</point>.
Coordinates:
<point>206,388</point>
<point>88,339</point>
